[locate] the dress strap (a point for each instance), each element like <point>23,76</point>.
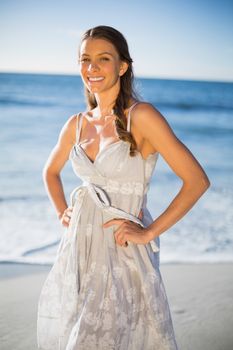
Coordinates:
<point>129,115</point>
<point>78,126</point>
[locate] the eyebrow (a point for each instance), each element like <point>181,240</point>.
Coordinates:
<point>101,53</point>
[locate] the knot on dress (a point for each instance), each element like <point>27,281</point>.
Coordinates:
<point>102,200</point>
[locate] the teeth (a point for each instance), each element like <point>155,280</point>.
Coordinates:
<point>96,79</point>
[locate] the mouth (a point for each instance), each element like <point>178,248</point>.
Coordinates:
<point>95,79</point>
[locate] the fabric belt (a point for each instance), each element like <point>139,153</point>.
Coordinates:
<point>101,199</point>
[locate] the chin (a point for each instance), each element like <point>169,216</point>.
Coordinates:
<point>96,89</point>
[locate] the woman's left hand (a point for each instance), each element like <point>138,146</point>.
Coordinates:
<point>128,231</point>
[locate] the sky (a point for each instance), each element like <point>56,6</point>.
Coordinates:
<point>172,39</point>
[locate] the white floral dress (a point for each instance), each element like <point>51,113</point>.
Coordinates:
<point>99,295</point>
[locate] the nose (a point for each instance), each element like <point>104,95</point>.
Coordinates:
<point>93,67</point>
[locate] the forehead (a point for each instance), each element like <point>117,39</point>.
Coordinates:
<point>96,46</point>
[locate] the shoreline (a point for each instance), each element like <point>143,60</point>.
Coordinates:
<point>13,269</point>
<point>200,298</point>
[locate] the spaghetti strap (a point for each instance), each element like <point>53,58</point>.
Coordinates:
<point>129,115</point>
<point>78,126</point>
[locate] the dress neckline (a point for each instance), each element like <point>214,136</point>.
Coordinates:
<point>93,162</point>
<point>80,119</point>
<point>112,144</point>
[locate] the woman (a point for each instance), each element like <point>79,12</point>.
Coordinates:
<point>105,290</point>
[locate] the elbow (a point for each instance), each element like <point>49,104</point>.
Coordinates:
<point>202,185</point>
<point>47,173</point>
<point>205,183</point>
<point>198,184</point>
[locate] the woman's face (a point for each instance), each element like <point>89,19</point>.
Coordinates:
<point>100,65</point>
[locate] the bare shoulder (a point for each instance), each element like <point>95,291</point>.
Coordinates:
<point>149,121</point>
<point>151,127</point>
<point>68,131</point>
<point>157,133</point>
<point>144,114</point>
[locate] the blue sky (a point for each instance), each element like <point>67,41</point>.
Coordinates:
<point>167,38</point>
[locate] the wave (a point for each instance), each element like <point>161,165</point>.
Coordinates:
<point>40,255</point>
<point>35,198</point>
<point>8,101</point>
<point>192,106</point>
<point>207,130</point>
<point>40,248</point>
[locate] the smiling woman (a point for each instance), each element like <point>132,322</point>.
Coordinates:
<point>105,290</point>
<point>100,65</point>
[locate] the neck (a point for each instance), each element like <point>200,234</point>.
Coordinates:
<point>104,109</point>
<point>106,100</point>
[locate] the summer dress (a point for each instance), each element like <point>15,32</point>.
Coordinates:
<point>100,295</point>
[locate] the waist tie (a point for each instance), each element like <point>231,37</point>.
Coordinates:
<point>102,200</point>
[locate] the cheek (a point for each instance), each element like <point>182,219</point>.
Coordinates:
<point>82,69</point>
<point>83,74</point>
<point>113,71</point>
<point>117,69</point>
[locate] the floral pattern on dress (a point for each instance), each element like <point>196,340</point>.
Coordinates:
<point>99,296</point>
<point>126,188</point>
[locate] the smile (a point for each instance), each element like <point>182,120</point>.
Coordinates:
<point>95,78</point>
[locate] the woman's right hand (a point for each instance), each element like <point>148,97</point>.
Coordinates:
<point>66,216</point>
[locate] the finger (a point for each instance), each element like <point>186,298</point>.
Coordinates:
<point>123,243</point>
<point>66,218</point>
<point>64,223</point>
<point>68,214</point>
<point>121,238</point>
<point>68,211</point>
<point>113,222</point>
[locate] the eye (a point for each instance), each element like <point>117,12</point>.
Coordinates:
<point>84,59</point>
<point>104,59</point>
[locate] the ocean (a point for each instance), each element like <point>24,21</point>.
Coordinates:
<point>34,107</point>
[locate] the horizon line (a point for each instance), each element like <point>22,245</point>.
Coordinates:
<point>139,76</point>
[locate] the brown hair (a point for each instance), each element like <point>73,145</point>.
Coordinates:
<point>127,91</point>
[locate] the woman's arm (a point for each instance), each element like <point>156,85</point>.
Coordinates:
<point>155,129</point>
<point>55,163</point>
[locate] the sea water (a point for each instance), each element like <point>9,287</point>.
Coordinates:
<point>33,109</point>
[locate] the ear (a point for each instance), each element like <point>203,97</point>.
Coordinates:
<point>123,68</point>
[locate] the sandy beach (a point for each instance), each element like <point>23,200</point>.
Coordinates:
<point>200,298</point>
